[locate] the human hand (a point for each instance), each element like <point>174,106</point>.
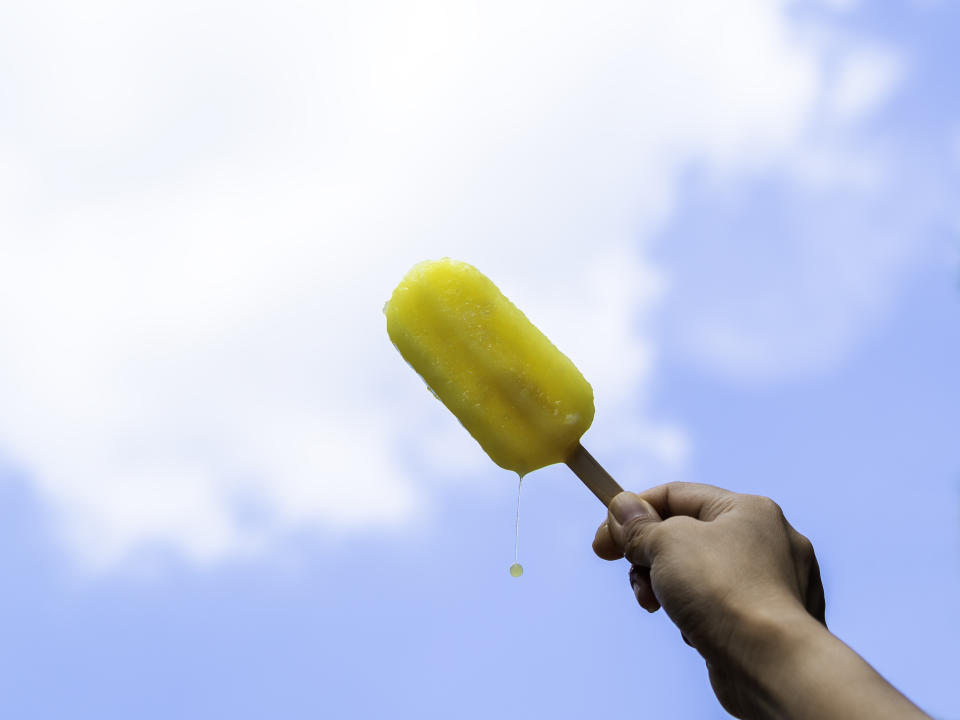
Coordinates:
<point>721,565</point>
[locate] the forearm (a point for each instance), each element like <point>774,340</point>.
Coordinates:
<point>799,670</point>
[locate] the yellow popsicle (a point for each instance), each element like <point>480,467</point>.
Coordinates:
<point>523,400</point>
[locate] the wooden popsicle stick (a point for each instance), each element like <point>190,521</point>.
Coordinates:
<point>593,475</point>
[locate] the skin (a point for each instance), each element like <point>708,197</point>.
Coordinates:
<point>744,589</point>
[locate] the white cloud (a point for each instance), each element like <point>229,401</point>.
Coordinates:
<point>209,202</point>
<point>785,276</point>
<point>864,78</point>
<point>797,277</point>
<point>841,5</point>
<point>807,270</point>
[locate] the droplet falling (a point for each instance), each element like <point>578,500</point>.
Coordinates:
<point>516,570</point>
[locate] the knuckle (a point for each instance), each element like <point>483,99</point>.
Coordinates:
<point>681,486</point>
<point>767,505</point>
<point>634,543</point>
<point>640,541</point>
<point>804,546</point>
<point>633,551</point>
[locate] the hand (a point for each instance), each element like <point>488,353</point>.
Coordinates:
<point>716,561</point>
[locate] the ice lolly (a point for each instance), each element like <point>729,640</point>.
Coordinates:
<point>522,399</point>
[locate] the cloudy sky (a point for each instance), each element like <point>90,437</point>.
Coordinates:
<point>221,489</point>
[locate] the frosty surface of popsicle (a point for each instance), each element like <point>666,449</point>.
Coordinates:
<point>522,399</point>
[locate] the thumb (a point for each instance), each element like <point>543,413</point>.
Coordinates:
<point>633,523</point>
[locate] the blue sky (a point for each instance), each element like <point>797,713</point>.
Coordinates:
<point>221,489</point>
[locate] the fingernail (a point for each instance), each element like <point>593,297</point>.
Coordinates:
<point>627,507</point>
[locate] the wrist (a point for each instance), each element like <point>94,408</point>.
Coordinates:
<point>793,667</point>
<point>770,647</point>
<point>772,629</point>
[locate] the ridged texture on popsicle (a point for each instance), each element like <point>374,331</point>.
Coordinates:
<point>523,400</point>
